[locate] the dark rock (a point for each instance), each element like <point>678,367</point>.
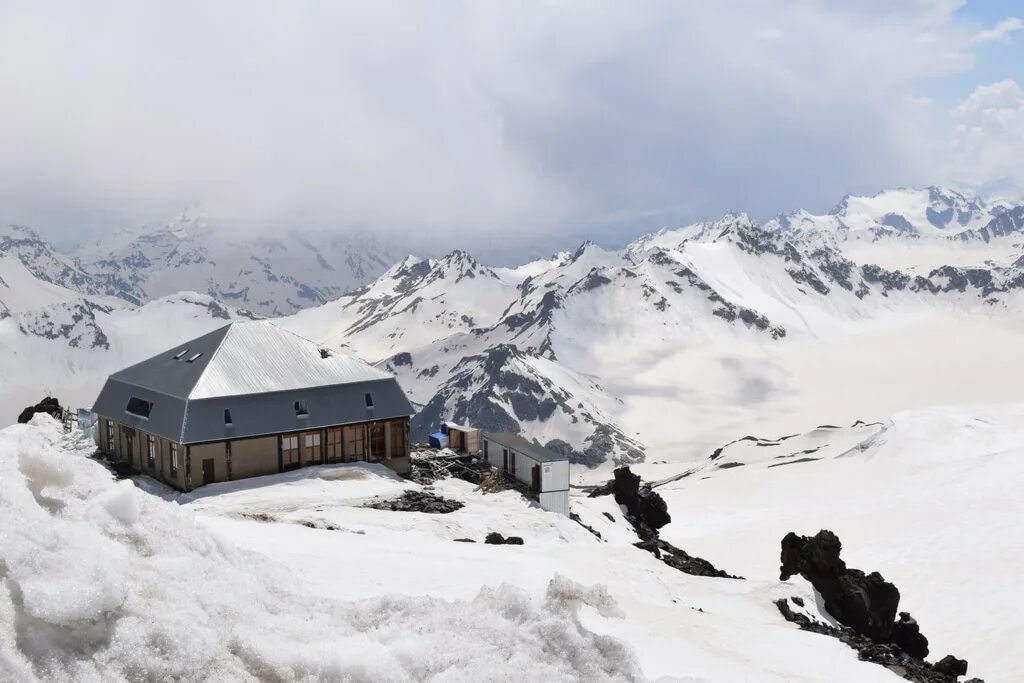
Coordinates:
<point>889,655</point>
<point>647,512</point>
<point>951,666</point>
<point>865,602</point>
<point>418,501</point>
<point>48,405</point>
<point>907,634</point>
<point>494,538</point>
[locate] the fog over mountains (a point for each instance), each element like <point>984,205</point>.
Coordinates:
<point>712,319</point>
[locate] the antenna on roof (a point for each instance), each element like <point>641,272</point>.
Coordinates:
<point>325,353</point>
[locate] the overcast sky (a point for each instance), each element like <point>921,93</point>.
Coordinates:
<point>486,122</point>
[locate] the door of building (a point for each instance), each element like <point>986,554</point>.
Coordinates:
<point>208,475</point>
<point>536,479</point>
<point>311,448</point>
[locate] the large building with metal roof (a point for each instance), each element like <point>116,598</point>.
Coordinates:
<point>250,399</point>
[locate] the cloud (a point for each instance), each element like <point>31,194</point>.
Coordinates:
<point>469,121</point>
<point>988,133</point>
<point>999,31</point>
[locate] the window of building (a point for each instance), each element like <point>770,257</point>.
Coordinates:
<point>138,407</point>
<point>369,400</point>
<point>110,435</point>
<point>312,440</point>
<point>150,451</point>
<point>377,441</point>
<point>227,418</point>
<point>180,354</point>
<point>354,443</point>
<point>301,409</point>
<point>194,357</point>
<point>398,439</point>
<point>174,460</point>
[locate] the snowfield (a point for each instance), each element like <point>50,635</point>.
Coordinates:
<point>932,499</point>
<point>287,578</point>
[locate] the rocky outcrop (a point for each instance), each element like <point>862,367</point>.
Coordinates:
<point>48,405</point>
<point>647,511</point>
<point>889,655</point>
<point>865,604</point>
<point>418,501</point>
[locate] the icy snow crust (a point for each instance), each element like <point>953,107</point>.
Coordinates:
<point>100,581</point>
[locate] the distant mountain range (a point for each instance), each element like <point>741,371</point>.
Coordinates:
<point>539,349</point>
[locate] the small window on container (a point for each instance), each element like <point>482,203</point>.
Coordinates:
<point>301,409</point>
<point>369,400</point>
<point>227,418</point>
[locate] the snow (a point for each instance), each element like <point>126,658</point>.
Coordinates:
<point>258,356</point>
<point>104,582</point>
<point>288,577</point>
<point>931,499</point>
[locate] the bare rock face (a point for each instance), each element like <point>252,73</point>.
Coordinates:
<point>641,501</point>
<point>866,603</point>
<point>48,405</point>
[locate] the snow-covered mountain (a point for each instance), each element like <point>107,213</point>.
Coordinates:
<point>274,273</point>
<point>59,341</point>
<point>657,351</point>
<point>559,349</point>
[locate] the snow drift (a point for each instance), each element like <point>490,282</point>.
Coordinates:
<point>100,581</point>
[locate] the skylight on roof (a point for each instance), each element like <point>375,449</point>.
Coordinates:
<point>193,357</point>
<point>180,354</point>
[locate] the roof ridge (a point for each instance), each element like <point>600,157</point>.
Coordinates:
<point>209,362</point>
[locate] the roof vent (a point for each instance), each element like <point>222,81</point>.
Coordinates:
<point>180,354</point>
<point>193,357</point>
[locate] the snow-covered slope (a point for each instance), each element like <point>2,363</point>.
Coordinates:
<point>930,498</point>
<point>103,581</point>
<point>270,273</point>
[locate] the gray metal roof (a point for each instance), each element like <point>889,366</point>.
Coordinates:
<point>518,443</point>
<point>333,389</point>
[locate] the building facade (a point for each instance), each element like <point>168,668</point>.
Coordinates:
<point>543,471</point>
<point>247,400</point>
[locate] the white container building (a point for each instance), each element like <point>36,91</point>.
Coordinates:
<point>543,471</point>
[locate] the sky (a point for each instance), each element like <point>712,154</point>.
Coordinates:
<point>501,125</point>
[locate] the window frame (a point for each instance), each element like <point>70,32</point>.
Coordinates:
<point>174,460</point>
<point>150,452</point>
